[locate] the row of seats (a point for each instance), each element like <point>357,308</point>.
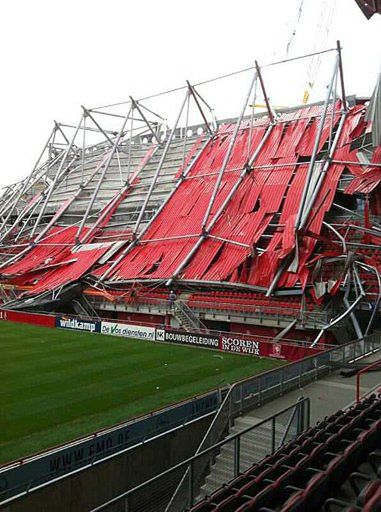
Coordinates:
<point>249,308</point>
<point>267,305</point>
<point>250,295</point>
<point>128,295</point>
<point>235,301</point>
<point>307,474</point>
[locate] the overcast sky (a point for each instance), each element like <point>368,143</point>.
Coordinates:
<point>59,55</point>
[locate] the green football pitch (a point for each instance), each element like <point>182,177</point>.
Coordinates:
<point>57,385</point>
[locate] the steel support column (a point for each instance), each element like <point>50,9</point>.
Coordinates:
<point>56,177</point>
<point>158,169</point>
<point>105,169</point>
<point>132,244</point>
<point>203,236</point>
<point>228,152</point>
<point>137,107</point>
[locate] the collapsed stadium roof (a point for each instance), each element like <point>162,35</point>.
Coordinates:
<point>279,202</point>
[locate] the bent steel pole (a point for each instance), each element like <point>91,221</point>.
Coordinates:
<point>278,275</point>
<point>339,236</point>
<point>308,207</point>
<point>316,146</point>
<point>304,211</point>
<point>355,323</point>
<point>341,73</point>
<point>376,305</point>
<point>228,152</point>
<point>267,102</point>
<point>336,320</point>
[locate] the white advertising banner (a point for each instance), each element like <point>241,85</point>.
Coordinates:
<point>128,331</point>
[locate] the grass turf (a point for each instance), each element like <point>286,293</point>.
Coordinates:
<point>58,385</point>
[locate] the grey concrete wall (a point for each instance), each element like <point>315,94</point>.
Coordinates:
<point>91,487</point>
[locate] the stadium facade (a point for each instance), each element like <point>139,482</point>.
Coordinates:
<point>267,223</point>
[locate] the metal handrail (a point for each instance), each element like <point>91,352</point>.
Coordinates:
<point>184,309</point>
<point>291,419</point>
<point>308,369</point>
<point>360,372</point>
<point>102,431</point>
<point>190,313</point>
<point>211,450</point>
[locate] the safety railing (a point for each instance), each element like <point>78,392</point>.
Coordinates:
<point>252,392</point>
<point>238,452</point>
<point>260,312</point>
<point>368,368</point>
<point>242,397</point>
<point>22,476</point>
<point>184,311</point>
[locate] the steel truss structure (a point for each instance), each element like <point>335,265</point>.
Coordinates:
<point>275,204</point>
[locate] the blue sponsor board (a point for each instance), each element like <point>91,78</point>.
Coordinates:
<point>77,324</point>
<point>41,469</point>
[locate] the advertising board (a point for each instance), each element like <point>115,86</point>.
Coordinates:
<point>78,324</point>
<point>128,331</point>
<point>187,338</point>
<point>27,318</point>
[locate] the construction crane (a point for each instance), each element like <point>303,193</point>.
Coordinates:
<point>323,28</point>
<point>318,35</point>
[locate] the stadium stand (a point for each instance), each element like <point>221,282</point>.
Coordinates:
<point>335,465</point>
<point>268,219</point>
<point>256,233</point>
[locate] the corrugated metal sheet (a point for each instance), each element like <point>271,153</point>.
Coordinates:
<point>263,194</point>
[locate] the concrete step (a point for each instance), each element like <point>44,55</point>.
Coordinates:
<point>254,446</point>
<point>216,480</point>
<point>249,454</point>
<point>260,437</point>
<point>246,421</point>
